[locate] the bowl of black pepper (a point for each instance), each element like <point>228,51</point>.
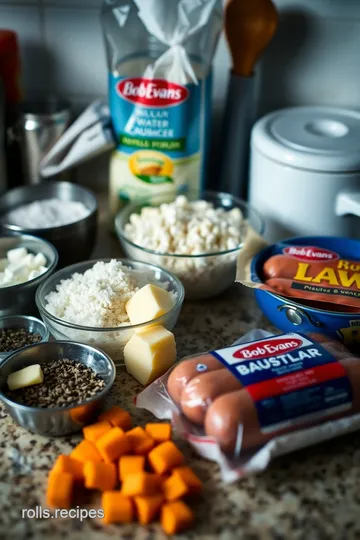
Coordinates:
<point>18,331</point>
<point>76,379</point>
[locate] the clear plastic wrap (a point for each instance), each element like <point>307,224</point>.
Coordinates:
<point>262,397</point>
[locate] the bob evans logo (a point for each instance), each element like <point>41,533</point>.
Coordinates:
<point>152,92</point>
<point>310,253</point>
<point>264,349</point>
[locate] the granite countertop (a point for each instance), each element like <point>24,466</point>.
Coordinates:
<point>311,494</point>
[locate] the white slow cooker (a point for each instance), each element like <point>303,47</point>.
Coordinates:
<point>305,172</point>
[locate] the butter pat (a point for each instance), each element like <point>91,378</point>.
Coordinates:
<point>148,303</point>
<point>25,377</point>
<point>150,353</point>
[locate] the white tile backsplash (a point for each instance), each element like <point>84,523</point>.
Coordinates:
<point>318,65</point>
<point>76,51</point>
<point>314,58</point>
<point>344,9</point>
<point>26,21</point>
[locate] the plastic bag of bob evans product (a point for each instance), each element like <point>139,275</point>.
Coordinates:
<point>263,397</point>
<point>321,272</point>
<point>159,56</point>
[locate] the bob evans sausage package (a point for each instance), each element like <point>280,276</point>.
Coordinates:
<point>322,270</point>
<point>264,396</point>
<point>159,56</point>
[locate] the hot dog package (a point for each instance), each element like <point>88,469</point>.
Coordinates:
<point>265,396</point>
<point>322,272</point>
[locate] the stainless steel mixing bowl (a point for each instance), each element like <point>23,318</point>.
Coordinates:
<point>57,421</point>
<point>20,299</point>
<point>74,241</point>
<point>31,324</point>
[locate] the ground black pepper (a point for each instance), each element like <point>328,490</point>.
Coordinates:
<point>66,383</point>
<point>15,338</point>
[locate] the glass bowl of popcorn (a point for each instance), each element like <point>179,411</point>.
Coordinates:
<point>196,235</point>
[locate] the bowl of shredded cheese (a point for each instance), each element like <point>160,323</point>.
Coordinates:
<point>195,236</point>
<point>86,302</point>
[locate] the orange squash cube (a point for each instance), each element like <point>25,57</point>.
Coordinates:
<point>130,465</point>
<point>117,508</point>
<point>100,476</point>
<point>176,517</point>
<point>113,444</point>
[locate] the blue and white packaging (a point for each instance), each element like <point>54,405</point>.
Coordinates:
<point>159,57</point>
<point>295,383</point>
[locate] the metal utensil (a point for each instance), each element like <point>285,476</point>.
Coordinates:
<point>3,181</point>
<point>74,241</point>
<point>40,125</point>
<point>31,324</point>
<point>57,421</point>
<point>20,298</point>
<point>249,27</point>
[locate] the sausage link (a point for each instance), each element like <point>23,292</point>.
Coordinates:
<point>234,414</point>
<point>202,390</point>
<point>182,374</point>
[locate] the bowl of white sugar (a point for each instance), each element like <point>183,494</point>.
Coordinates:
<point>65,214</point>
<point>86,302</point>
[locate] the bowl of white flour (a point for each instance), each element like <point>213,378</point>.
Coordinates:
<point>86,302</point>
<point>62,213</point>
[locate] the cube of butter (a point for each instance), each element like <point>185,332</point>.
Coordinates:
<point>148,303</point>
<point>25,377</point>
<point>150,353</point>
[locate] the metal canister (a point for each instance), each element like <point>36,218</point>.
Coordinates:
<point>3,183</point>
<point>39,127</point>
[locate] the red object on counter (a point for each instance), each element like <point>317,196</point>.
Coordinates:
<point>10,66</point>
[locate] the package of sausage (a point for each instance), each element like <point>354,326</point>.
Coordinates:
<point>264,396</point>
<point>315,270</point>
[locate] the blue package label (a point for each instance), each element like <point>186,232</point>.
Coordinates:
<point>162,133</point>
<point>291,379</point>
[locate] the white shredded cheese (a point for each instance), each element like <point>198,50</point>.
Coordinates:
<point>95,298</point>
<point>190,229</point>
<point>20,266</point>
<point>186,228</point>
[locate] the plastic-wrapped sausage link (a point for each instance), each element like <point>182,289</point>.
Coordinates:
<point>256,392</point>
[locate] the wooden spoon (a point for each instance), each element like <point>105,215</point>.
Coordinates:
<point>249,28</point>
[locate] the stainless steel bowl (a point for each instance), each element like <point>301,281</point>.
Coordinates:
<point>31,324</point>
<point>20,299</point>
<point>56,421</point>
<point>74,241</point>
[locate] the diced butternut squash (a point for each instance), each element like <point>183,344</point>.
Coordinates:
<point>117,508</point>
<point>130,465</point>
<point>113,444</point>
<point>141,442</point>
<point>176,517</point>
<point>149,353</point>
<point>174,488</point>
<point>165,457</point>
<point>190,478</point>
<point>141,483</point>
<point>148,507</point>
<point>94,431</point>
<point>159,432</point>
<point>59,492</point>
<point>148,303</point>
<point>69,465</point>
<point>100,476</point>
<point>117,417</point>
<point>86,451</point>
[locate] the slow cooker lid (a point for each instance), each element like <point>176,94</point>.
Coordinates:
<point>315,138</point>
